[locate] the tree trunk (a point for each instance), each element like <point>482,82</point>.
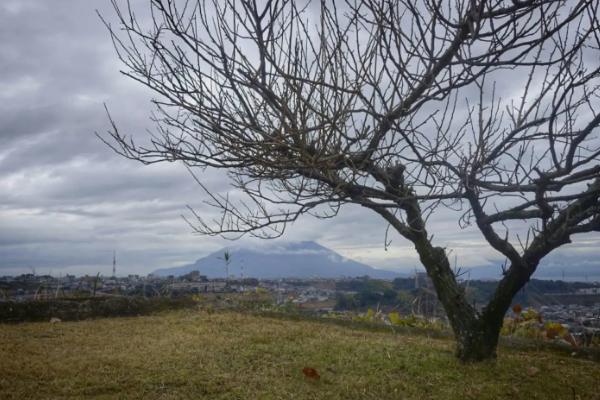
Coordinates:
<point>479,342</point>
<point>476,334</point>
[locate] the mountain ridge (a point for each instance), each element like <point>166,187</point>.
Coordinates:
<point>305,259</point>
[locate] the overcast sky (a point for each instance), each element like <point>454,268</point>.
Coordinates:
<point>66,201</point>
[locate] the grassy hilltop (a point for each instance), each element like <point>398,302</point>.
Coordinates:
<point>228,355</point>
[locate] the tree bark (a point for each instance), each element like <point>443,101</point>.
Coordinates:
<point>479,342</point>
<point>476,335</point>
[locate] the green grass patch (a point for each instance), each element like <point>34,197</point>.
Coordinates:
<point>190,354</point>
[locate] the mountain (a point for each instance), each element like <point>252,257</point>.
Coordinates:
<point>288,260</point>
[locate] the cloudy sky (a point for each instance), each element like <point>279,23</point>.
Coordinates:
<point>66,201</point>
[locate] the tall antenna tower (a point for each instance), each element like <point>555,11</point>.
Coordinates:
<point>114,274</point>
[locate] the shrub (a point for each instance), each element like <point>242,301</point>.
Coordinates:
<point>530,324</point>
<point>83,308</point>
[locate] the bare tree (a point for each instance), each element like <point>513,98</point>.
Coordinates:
<point>403,107</point>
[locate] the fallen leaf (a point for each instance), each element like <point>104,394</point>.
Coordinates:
<point>533,371</point>
<point>311,373</point>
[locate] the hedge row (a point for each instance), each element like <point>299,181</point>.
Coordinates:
<point>84,308</point>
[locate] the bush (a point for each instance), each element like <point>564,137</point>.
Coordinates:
<point>83,308</point>
<point>530,324</point>
<point>413,321</point>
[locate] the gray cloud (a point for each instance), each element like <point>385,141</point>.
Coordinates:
<point>66,200</point>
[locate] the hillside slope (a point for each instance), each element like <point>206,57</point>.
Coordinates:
<point>200,355</point>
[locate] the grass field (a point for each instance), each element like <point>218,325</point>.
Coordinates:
<point>226,355</point>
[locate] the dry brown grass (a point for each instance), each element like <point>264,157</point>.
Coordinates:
<point>228,355</point>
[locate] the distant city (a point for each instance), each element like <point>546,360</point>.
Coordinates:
<point>574,304</point>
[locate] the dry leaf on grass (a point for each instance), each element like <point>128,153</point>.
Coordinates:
<point>311,373</point>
